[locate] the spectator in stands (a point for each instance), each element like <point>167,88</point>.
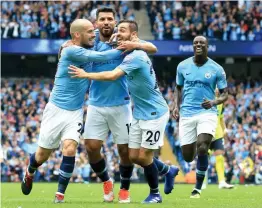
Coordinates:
<point>221,20</point>
<point>258,33</point>
<point>49,19</point>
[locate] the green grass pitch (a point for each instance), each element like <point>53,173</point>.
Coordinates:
<point>90,196</point>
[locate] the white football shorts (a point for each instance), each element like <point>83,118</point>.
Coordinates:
<point>101,120</point>
<point>59,124</point>
<point>148,134</point>
<point>191,127</point>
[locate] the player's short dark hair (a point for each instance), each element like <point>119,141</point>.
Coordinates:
<point>201,36</point>
<point>105,9</point>
<point>132,25</point>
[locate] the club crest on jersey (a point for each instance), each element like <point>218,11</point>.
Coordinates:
<point>208,75</point>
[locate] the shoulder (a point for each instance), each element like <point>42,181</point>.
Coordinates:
<point>136,55</point>
<point>215,65</point>
<point>184,64</point>
<point>71,49</point>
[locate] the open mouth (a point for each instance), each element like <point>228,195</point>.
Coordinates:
<point>198,50</point>
<point>106,28</point>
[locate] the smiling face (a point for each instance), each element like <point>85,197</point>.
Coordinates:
<point>82,32</point>
<point>87,36</point>
<point>200,46</point>
<point>127,30</point>
<point>124,32</point>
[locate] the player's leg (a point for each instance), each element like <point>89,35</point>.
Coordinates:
<point>119,121</point>
<point>70,136</point>
<point>168,172</point>
<point>218,146</point>
<point>95,132</point>
<point>203,143</point>
<point>36,160</point>
<point>188,137</point>
<point>144,159</point>
<point>49,139</point>
<point>152,136</point>
<point>126,169</point>
<point>66,168</point>
<point>206,126</point>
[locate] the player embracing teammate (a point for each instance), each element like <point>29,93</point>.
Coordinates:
<point>109,109</point>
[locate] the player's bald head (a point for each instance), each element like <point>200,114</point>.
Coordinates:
<point>79,25</point>
<point>82,33</point>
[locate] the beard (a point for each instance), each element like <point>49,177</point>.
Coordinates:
<point>124,39</point>
<point>106,34</point>
<point>86,46</point>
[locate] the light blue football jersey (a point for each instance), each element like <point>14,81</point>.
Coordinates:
<point>69,93</point>
<point>199,83</point>
<point>148,101</point>
<point>108,93</point>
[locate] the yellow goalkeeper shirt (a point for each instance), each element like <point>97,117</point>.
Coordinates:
<point>219,130</point>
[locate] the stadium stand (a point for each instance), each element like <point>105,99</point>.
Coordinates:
<point>42,19</point>
<point>218,20</point>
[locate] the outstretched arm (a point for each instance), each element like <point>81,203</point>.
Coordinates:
<point>85,55</point>
<point>102,76</point>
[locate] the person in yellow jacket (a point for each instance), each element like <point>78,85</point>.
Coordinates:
<point>217,146</point>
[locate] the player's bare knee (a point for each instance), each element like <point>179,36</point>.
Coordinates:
<point>69,147</point>
<point>69,151</point>
<point>145,156</point>
<point>42,155</point>
<point>202,149</point>
<point>133,155</point>
<point>123,150</point>
<point>92,146</point>
<point>134,158</point>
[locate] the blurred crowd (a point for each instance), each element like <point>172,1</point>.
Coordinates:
<point>243,138</point>
<point>218,20</point>
<point>51,19</point>
<point>23,101</point>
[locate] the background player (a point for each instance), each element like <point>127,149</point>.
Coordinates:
<point>217,146</point>
<point>197,78</point>
<point>151,112</point>
<point>110,110</point>
<point>63,115</point>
